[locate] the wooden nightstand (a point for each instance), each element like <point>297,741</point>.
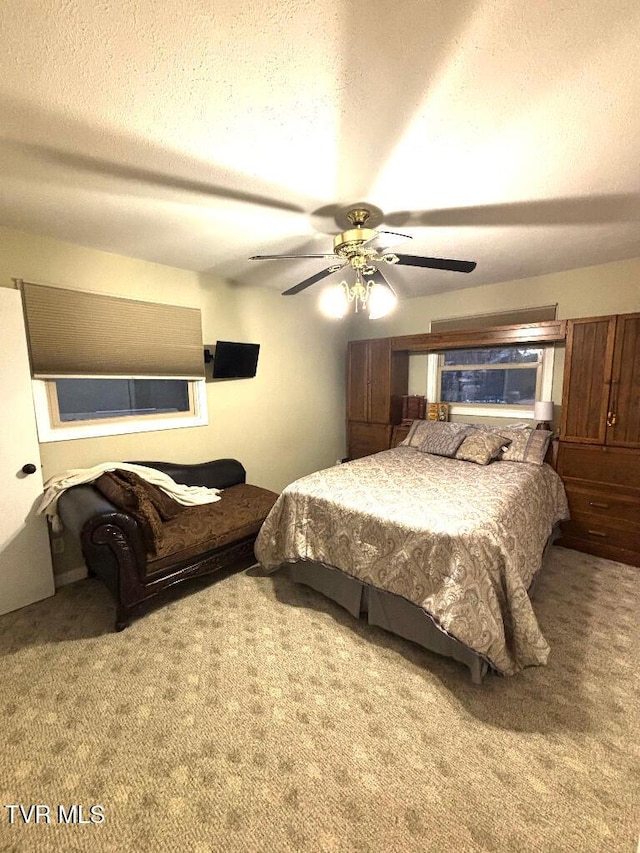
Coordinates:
<point>399,434</point>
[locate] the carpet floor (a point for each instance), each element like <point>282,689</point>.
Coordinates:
<point>251,714</point>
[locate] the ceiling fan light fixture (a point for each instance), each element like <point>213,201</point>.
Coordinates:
<point>382,301</point>
<point>375,298</point>
<point>334,302</point>
<point>358,293</point>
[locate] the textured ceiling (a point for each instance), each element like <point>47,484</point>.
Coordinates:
<point>199,133</point>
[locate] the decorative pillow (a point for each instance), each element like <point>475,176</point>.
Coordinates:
<point>482,447</point>
<point>437,437</point>
<point>123,489</point>
<point>407,441</point>
<point>527,445</point>
<point>532,448</point>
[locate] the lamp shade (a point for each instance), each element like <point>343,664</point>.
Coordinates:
<point>543,410</point>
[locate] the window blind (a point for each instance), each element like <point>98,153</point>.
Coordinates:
<point>504,318</point>
<point>80,333</point>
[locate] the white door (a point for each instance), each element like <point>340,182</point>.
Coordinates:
<point>26,574</point>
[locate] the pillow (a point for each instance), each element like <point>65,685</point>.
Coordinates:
<point>123,489</point>
<point>407,441</point>
<point>527,445</point>
<point>482,447</point>
<point>531,448</point>
<point>437,437</point>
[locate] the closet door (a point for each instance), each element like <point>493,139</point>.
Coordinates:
<point>623,414</point>
<point>587,378</point>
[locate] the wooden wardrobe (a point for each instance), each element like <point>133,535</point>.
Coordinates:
<point>599,450</point>
<point>377,378</point>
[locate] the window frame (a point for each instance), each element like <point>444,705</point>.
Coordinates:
<point>51,428</point>
<point>544,385</point>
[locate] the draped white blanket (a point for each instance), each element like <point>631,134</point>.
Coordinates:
<point>56,485</point>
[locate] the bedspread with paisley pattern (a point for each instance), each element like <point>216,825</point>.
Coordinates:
<point>462,541</point>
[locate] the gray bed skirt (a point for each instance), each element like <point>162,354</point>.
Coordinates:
<point>386,610</point>
<point>392,612</point>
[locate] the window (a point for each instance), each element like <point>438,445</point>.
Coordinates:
<point>85,407</point>
<point>502,376</point>
<point>492,380</point>
<point>96,399</point>
<point>110,365</point>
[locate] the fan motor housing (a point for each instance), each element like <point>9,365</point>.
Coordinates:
<point>349,242</point>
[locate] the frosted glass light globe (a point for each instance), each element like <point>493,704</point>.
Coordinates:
<point>334,302</point>
<point>381,301</point>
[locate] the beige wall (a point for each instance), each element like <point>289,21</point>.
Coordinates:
<point>606,289</point>
<point>284,423</point>
<point>289,421</point>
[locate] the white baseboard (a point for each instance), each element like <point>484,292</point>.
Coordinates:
<point>70,576</point>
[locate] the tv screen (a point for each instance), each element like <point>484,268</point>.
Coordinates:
<point>235,360</point>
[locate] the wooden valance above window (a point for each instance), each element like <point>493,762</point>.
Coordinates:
<point>79,333</point>
<point>551,331</point>
<point>516,316</point>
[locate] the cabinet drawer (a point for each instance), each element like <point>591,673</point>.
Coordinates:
<point>604,504</point>
<point>598,464</point>
<point>593,529</point>
<point>365,439</point>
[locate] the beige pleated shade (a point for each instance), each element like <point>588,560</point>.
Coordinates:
<point>77,333</point>
<point>537,314</point>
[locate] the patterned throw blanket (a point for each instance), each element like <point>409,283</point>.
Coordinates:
<point>56,485</point>
<point>462,541</point>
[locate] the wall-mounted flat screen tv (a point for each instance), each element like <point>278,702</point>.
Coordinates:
<point>235,360</point>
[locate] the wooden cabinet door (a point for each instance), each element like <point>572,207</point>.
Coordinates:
<point>587,377</point>
<point>379,381</point>
<point>365,439</point>
<point>358,381</point>
<point>376,380</point>
<point>623,421</point>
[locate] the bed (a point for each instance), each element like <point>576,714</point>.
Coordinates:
<point>434,548</point>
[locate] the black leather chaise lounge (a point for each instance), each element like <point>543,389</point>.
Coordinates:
<point>139,541</point>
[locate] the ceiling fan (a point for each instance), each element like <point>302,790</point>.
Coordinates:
<point>364,249</point>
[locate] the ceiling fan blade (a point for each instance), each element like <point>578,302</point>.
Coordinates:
<point>279,257</point>
<point>384,240</point>
<point>307,282</point>
<point>437,263</point>
<point>379,277</point>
